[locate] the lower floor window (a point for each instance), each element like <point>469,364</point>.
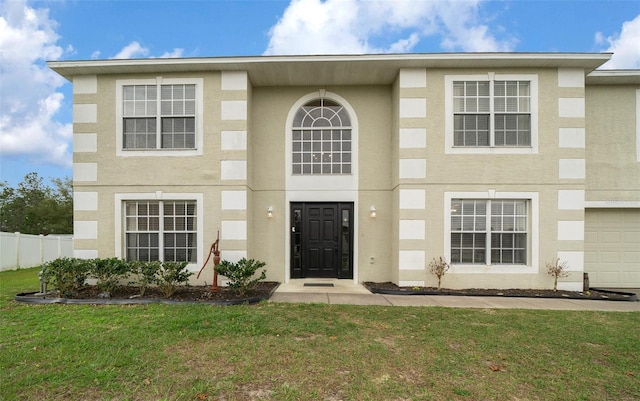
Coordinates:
<point>161,230</point>
<point>489,231</point>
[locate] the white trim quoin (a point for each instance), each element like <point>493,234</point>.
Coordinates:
<point>411,260</point>
<point>85,113</point>
<point>572,169</point>
<point>233,140</point>
<point>571,107</point>
<point>570,77</point>
<point>233,80</point>
<point>233,110</point>
<point>413,107</point>
<point>85,143</point>
<point>85,84</point>
<point>571,199</point>
<point>85,172</point>
<point>412,229</point>
<point>413,78</point>
<point>85,229</point>
<point>571,138</point>
<point>85,200</point>
<point>413,138</point>
<point>572,230</point>
<point>412,168</point>
<point>412,199</point>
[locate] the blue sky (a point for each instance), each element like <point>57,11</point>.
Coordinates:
<point>35,103</point>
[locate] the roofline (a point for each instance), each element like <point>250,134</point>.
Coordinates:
<point>613,77</point>
<point>253,64</point>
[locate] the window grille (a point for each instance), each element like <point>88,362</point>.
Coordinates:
<point>492,113</point>
<point>321,139</point>
<point>175,110</point>
<point>500,226</point>
<point>161,230</point>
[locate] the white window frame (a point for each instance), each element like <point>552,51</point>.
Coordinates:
<point>491,77</point>
<point>122,152</point>
<point>533,244</point>
<point>120,228</point>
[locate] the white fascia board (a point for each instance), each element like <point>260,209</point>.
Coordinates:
<point>588,61</point>
<point>612,204</point>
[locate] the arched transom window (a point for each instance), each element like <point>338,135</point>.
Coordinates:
<point>321,139</point>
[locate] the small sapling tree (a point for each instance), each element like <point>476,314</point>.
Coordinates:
<point>557,269</point>
<point>438,267</point>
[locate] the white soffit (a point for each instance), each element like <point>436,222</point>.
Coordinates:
<point>381,69</point>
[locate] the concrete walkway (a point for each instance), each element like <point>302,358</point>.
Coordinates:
<point>345,292</point>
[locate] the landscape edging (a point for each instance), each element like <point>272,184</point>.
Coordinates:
<point>28,298</point>
<point>631,296</point>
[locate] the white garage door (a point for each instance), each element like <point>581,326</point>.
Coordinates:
<point>612,247</point>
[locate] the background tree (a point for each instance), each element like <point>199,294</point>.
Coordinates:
<point>35,208</point>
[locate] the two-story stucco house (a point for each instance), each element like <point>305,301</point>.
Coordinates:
<point>364,167</point>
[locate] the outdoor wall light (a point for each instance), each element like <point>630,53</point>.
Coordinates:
<point>372,211</point>
<point>270,212</point>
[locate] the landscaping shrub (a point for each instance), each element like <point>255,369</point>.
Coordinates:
<point>66,275</point>
<point>241,274</point>
<point>146,274</point>
<point>171,275</point>
<point>109,273</point>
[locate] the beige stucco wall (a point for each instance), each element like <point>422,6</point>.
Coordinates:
<point>128,171</point>
<point>377,112</point>
<point>149,174</point>
<point>613,170</point>
<point>267,181</point>
<point>530,173</point>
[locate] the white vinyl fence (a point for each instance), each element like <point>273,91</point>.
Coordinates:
<point>20,251</point>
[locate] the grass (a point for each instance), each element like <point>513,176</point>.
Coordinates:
<point>310,352</point>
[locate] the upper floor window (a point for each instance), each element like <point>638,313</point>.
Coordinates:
<point>491,113</point>
<point>167,121</point>
<point>321,139</point>
<point>156,115</point>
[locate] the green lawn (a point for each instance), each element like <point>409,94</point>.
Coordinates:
<point>310,352</point>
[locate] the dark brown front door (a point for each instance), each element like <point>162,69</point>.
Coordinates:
<point>321,240</point>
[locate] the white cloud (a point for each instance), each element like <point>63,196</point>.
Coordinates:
<point>625,46</point>
<point>175,53</point>
<point>359,26</point>
<point>136,50</point>
<point>132,50</point>
<point>30,101</point>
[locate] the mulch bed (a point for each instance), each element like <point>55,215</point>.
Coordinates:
<point>593,293</point>
<point>131,295</point>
